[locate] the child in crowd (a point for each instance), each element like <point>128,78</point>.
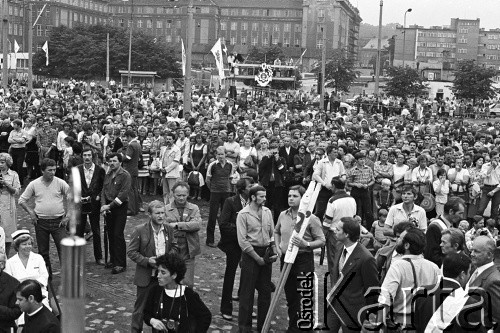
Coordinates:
<point>441,188</point>
<point>464,226</point>
<point>385,198</point>
<point>378,229</point>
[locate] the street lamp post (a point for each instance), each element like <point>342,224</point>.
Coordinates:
<point>130,44</point>
<point>404,35</point>
<point>379,46</point>
<point>5,46</point>
<point>189,51</point>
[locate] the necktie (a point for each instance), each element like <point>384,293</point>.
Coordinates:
<point>473,277</point>
<point>342,259</point>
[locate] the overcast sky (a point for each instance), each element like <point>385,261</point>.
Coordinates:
<point>430,12</point>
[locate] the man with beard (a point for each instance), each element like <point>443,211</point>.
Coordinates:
<point>411,271</point>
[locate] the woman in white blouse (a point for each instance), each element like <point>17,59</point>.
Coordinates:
<point>27,264</point>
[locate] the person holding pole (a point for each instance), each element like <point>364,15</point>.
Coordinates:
<point>254,226</point>
<point>303,267</point>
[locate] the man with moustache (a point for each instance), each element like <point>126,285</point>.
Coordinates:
<point>149,241</point>
<point>92,182</point>
<point>254,226</point>
<point>117,184</point>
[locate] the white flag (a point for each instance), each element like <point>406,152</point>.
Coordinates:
<point>217,52</point>
<point>16,47</point>
<point>183,58</point>
<point>45,48</point>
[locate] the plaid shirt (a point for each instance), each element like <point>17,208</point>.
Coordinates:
<point>361,175</point>
<point>384,168</point>
<point>46,138</point>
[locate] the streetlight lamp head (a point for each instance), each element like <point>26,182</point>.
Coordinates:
<point>409,10</point>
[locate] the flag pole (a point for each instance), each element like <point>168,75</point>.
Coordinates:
<point>305,211</point>
<point>107,57</point>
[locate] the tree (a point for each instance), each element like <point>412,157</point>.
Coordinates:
<point>473,81</point>
<point>266,55</point>
<point>404,82</point>
<point>339,71</point>
<point>80,53</point>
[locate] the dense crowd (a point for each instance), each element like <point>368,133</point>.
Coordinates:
<point>410,196</point>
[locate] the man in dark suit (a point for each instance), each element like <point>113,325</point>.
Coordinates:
<point>485,282</point>
<point>92,181</point>
<point>307,166</point>
<point>354,272</point>
<point>456,273</point>
<point>229,242</point>
<point>9,311</point>
<point>146,238</point>
<point>288,152</point>
<point>38,318</point>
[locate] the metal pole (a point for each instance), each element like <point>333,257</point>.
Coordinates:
<point>5,46</point>
<point>73,265</point>
<point>130,43</point>
<point>107,57</point>
<point>323,66</point>
<point>404,35</point>
<point>377,65</point>
<point>30,47</point>
<point>189,50</point>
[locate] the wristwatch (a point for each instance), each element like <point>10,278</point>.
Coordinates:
<point>308,245</point>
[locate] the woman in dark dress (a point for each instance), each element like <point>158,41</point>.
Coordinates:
<point>172,307</point>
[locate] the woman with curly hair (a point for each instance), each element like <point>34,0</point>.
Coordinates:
<point>172,307</point>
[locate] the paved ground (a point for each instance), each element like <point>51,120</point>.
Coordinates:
<point>110,298</point>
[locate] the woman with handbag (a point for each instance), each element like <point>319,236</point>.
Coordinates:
<point>172,307</point>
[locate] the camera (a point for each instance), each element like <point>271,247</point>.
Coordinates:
<point>171,325</point>
<point>85,200</point>
<point>1,178</point>
<point>483,232</point>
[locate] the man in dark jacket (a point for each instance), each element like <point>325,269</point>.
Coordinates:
<point>9,311</point>
<point>146,238</point>
<point>271,170</point>
<point>229,242</point>
<point>131,154</point>
<point>92,181</point>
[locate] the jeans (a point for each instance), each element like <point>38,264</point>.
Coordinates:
<point>18,155</point>
<point>45,228</point>
<point>304,263</point>
<point>254,277</point>
<point>189,276</point>
<point>485,199</point>
<point>140,303</point>
<point>233,257</point>
<point>331,249</point>
<point>364,206</point>
<point>216,201</point>
<point>116,220</point>
<point>134,198</point>
<point>96,231</point>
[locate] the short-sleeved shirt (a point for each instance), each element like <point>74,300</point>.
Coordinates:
<point>397,214</point>
<point>285,226</point>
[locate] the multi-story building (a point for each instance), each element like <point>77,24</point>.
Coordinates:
<point>436,50</point>
<point>295,25</point>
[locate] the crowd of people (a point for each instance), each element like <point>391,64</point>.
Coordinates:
<point>409,198</point>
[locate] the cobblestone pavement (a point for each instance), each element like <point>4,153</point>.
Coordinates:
<point>110,298</point>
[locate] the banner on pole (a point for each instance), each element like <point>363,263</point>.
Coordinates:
<point>45,48</point>
<point>217,52</point>
<point>183,58</point>
<point>16,47</point>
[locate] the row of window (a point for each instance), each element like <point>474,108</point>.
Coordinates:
<point>437,34</point>
<point>265,26</point>
<point>463,31</point>
<point>15,29</point>
<point>261,12</point>
<point>434,54</point>
<point>87,4</point>
<point>436,44</point>
<point>493,47</point>
<point>493,36</point>
<point>469,23</point>
<point>265,39</point>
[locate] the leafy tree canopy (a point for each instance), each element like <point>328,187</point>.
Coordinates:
<point>405,82</point>
<point>473,81</point>
<point>80,53</point>
<point>339,71</point>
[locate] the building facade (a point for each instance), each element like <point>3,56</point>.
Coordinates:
<point>294,25</point>
<point>436,50</point>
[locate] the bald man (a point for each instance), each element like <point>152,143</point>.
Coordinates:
<point>486,278</point>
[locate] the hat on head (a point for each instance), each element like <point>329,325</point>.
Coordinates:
<point>18,233</point>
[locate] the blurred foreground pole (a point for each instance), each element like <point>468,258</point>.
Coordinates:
<point>73,265</point>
